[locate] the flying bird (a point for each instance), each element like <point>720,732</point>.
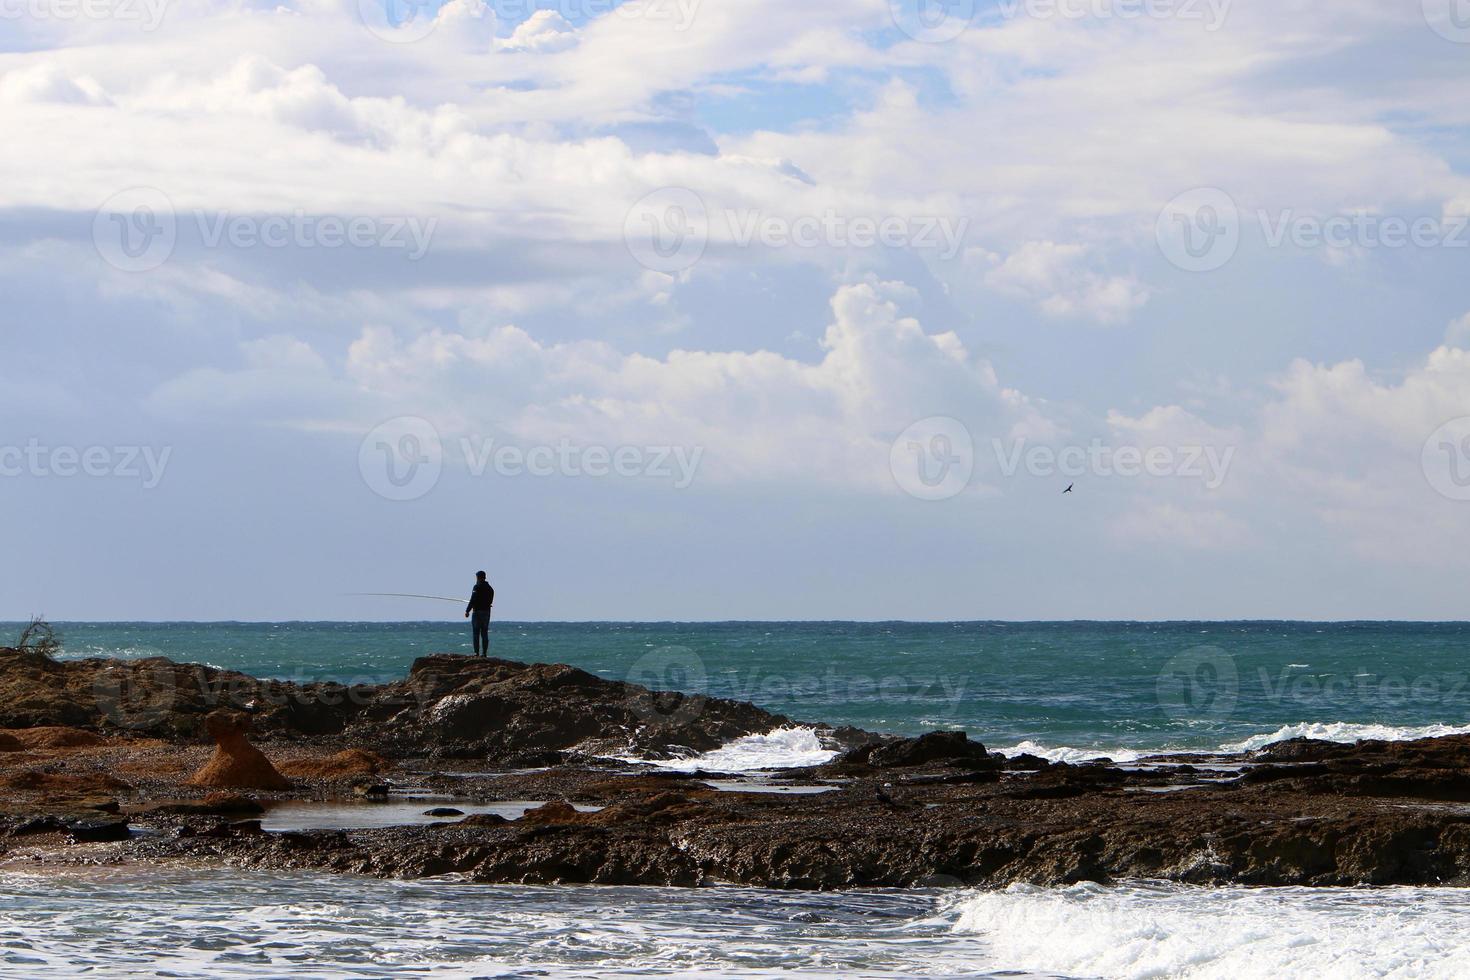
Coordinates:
<point>1069,488</point>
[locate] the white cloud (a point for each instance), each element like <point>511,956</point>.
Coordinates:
<point>759,416</point>
<point>45,83</point>
<point>1458,333</point>
<point>1057,141</point>
<point>1054,278</point>
<point>544,31</point>
<point>1333,451</point>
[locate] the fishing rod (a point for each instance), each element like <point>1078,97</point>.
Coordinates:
<point>400,595</point>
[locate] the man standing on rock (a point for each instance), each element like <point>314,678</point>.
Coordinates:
<point>478,613</point>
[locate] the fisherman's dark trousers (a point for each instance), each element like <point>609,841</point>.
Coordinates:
<point>480,627</point>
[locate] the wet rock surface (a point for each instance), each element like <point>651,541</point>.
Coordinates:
<point>939,809</point>
<point>449,707</point>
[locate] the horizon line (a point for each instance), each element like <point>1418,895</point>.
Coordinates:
<point>738,622</point>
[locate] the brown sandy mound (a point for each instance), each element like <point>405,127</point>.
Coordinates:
<point>20,739</point>
<point>236,763</point>
<point>348,764</point>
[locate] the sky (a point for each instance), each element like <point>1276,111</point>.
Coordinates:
<point>735,309</point>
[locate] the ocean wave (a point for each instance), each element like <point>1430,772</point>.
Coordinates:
<point>1335,731</point>
<point>1068,754</point>
<point>94,651</point>
<point>1341,731</point>
<point>784,748</point>
<point>1172,931</point>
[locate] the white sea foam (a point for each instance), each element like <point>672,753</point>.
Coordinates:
<point>1340,731</point>
<point>784,748</point>
<point>789,748</point>
<point>228,923</point>
<point>1336,731</point>
<point>1068,754</point>
<point>1168,931</point>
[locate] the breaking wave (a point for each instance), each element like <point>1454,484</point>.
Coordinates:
<point>1147,930</point>
<point>784,748</point>
<point>1336,731</point>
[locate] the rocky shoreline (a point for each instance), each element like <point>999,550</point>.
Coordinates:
<point>114,762</point>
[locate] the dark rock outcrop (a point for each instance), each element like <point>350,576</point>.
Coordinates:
<point>952,748</point>
<point>462,707</point>
<point>448,707</point>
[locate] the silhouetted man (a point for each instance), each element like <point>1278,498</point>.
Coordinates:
<point>478,613</point>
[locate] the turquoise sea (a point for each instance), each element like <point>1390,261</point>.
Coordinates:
<point>1087,687</point>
